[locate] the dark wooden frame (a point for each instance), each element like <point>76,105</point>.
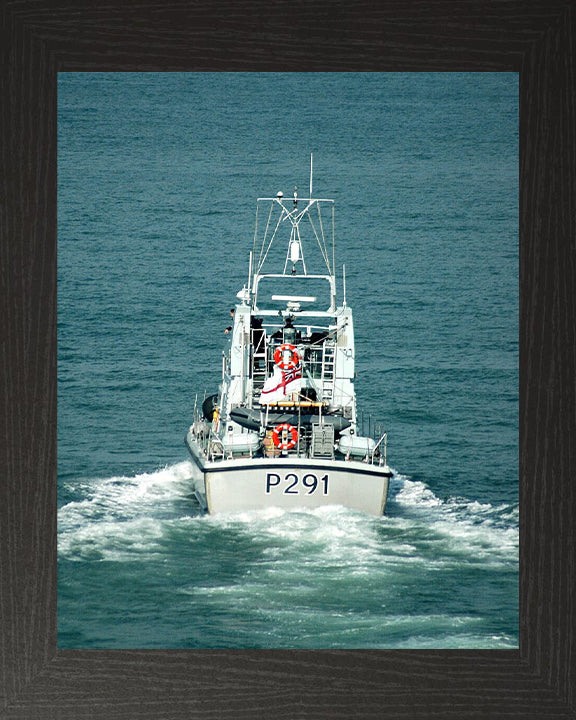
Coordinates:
<point>38,39</point>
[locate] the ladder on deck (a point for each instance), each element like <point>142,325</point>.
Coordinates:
<point>259,361</point>
<point>328,371</point>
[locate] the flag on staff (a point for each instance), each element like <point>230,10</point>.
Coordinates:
<point>281,384</point>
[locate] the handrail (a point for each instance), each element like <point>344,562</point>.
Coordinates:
<point>214,440</point>
<point>385,438</point>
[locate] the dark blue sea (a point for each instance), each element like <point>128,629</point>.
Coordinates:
<point>157,180</point>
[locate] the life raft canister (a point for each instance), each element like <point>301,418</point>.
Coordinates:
<point>286,357</point>
<point>284,436</point>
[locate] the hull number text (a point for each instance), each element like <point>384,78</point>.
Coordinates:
<point>292,484</point>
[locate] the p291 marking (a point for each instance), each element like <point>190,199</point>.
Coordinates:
<point>292,484</point>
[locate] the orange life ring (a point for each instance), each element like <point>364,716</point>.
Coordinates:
<point>281,361</point>
<point>280,436</point>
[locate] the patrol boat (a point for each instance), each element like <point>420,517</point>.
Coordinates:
<point>284,429</point>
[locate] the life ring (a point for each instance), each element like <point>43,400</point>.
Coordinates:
<point>281,360</point>
<point>280,436</point>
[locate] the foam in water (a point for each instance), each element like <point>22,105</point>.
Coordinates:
<point>123,517</point>
<point>342,578</point>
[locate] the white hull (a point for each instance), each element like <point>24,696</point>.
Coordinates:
<point>291,482</point>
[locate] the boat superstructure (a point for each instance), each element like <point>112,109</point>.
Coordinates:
<point>283,429</point>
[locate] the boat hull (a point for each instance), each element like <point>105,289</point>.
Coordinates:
<point>242,484</point>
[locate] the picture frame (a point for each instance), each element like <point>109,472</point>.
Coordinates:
<point>536,40</point>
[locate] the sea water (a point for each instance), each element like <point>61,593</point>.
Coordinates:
<point>157,180</point>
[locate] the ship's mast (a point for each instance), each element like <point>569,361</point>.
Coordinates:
<point>307,219</point>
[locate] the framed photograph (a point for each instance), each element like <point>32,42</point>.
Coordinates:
<point>98,123</point>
